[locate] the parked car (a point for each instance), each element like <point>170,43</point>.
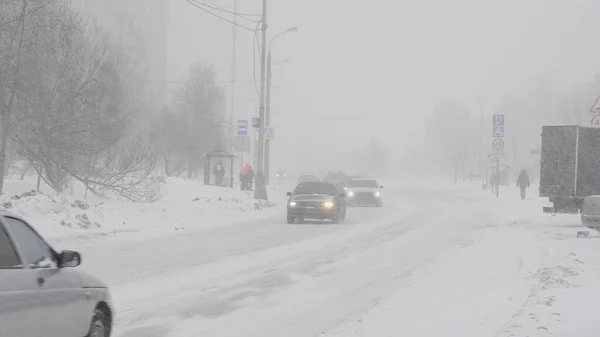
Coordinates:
<point>41,294</point>
<point>317,200</point>
<point>364,191</point>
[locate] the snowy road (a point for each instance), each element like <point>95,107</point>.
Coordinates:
<point>268,278</point>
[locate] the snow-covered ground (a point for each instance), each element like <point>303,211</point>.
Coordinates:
<point>186,206</point>
<point>438,260</point>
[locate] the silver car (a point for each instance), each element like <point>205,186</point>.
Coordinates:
<point>364,191</point>
<point>41,294</point>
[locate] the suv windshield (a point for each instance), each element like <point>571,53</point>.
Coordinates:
<point>315,188</point>
<point>363,183</point>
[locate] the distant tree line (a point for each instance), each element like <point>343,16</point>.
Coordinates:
<point>74,104</point>
<point>451,138</point>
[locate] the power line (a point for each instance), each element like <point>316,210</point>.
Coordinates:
<point>184,81</point>
<point>218,16</point>
<point>209,5</point>
<point>200,3</point>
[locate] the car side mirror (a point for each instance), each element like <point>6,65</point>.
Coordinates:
<point>70,259</point>
<point>381,186</point>
<point>289,194</point>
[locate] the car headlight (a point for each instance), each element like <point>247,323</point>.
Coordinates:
<point>377,194</point>
<point>328,204</point>
<point>277,175</point>
<point>292,204</point>
<point>350,193</point>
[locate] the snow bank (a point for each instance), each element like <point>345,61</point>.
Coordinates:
<point>187,205</point>
<point>524,273</point>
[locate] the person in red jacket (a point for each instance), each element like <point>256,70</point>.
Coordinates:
<point>246,177</point>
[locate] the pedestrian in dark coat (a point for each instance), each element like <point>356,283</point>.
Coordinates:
<point>250,178</point>
<point>523,183</point>
<point>219,172</point>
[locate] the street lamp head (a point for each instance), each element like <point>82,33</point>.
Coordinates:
<point>292,30</point>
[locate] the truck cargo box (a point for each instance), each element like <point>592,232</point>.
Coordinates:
<point>569,166</point>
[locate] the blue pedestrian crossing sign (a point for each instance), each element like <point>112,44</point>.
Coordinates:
<point>498,126</point>
<point>268,132</point>
<point>242,127</point>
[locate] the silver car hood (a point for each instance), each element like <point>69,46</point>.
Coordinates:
<point>311,197</point>
<point>89,281</point>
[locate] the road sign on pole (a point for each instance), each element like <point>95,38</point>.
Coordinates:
<point>242,129</point>
<point>268,132</point>
<point>498,126</point>
<point>498,147</point>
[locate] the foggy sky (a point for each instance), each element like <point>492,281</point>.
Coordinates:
<point>389,62</point>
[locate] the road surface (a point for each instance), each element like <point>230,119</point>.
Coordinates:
<point>268,278</point>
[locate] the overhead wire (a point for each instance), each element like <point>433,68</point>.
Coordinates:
<point>209,5</point>
<point>255,43</point>
<point>215,81</point>
<point>218,16</point>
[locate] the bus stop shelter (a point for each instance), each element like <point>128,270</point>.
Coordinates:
<point>211,160</point>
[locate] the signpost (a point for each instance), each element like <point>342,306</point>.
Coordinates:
<point>498,126</point>
<point>268,132</point>
<point>242,129</point>
<point>498,145</point>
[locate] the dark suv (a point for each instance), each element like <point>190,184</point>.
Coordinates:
<point>317,200</point>
<point>336,176</point>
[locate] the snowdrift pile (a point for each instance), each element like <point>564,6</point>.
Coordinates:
<point>186,205</point>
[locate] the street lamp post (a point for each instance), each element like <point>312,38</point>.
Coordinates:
<point>267,143</point>
<point>260,191</point>
<point>481,175</point>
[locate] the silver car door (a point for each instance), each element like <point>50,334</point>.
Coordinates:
<point>20,309</point>
<point>65,301</point>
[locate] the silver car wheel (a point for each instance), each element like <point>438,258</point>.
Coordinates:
<point>98,329</point>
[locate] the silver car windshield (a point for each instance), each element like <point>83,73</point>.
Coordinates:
<point>363,183</point>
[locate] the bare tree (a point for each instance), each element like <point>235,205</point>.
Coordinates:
<point>78,109</point>
<point>199,120</point>
<point>15,29</point>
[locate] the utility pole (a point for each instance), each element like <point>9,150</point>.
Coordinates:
<point>268,121</point>
<point>260,191</point>
<point>233,78</point>
<point>483,182</point>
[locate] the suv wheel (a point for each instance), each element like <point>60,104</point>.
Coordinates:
<point>290,219</point>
